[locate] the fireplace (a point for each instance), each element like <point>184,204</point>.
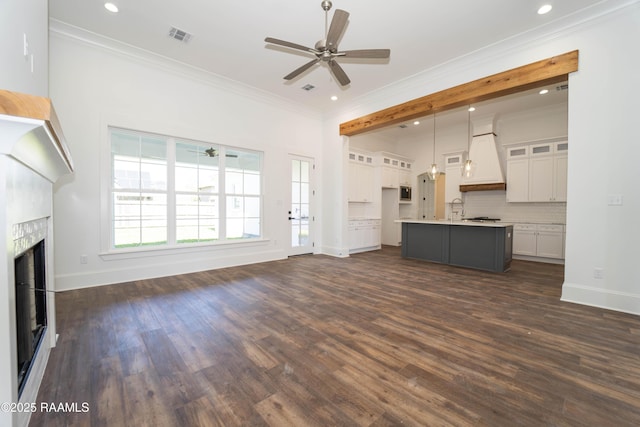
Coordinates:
<point>31,307</point>
<point>33,156</point>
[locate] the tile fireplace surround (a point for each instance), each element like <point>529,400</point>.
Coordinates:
<point>33,155</point>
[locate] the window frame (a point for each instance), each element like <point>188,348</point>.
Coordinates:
<point>172,245</point>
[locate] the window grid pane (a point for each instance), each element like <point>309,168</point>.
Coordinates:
<point>139,186</point>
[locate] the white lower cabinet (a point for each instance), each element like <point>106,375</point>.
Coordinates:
<point>539,240</point>
<point>364,235</point>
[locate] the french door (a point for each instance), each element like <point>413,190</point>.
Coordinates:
<point>300,207</point>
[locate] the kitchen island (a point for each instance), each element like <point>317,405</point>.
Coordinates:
<point>480,245</point>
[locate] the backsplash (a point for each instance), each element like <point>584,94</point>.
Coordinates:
<point>493,204</point>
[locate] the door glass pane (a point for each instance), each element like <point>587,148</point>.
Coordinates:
<point>299,216</point>
<point>295,170</point>
<point>295,192</point>
<point>295,234</point>
<point>304,171</point>
<point>303,238</point>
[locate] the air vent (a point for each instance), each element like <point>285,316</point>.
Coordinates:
<point>562,87</point>
<point>308,87</point>
<point>180,35</point>
<point>403,126</point>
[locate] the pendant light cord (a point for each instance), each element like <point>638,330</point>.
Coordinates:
<point>434,138</point>
<point>468,129</point>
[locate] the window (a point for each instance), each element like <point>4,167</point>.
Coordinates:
<point>171,192</point>
<point>139,193</point>
<point>242,188</point>
<point>197,194</point>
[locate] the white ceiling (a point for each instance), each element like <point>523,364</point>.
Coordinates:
<point>228,36</point>
<point>528,100</point>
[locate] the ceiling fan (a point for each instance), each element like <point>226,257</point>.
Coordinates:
<point>326,50</point>
<point>211,152</point>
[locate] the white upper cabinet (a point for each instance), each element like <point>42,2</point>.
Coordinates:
<point>541,179</point>
<point>518,174</point>
<point>361,174</point>
<point>537,172</point>
<point>389,177</point>
<point>395,170</point>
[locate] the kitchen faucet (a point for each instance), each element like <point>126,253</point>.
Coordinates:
<point>456,201</point>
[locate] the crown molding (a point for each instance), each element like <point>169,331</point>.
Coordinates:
<point>62,30</point>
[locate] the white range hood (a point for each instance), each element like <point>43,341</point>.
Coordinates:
<point>486,170</point>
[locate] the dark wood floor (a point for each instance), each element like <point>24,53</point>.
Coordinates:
<point>371,340</point>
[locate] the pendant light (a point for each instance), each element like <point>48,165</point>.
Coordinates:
<point>467,168</point>
<point>433,172</point>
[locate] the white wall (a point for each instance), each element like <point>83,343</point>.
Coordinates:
<point>19,18</point>
<point>602,135</point>
<point>95,83</point>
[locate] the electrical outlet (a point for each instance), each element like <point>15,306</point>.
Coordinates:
<point>83,259</point>
<point>598,273</point>
<point>614,200</point>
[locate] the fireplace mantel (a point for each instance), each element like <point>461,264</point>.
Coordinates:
<point>30,132</point>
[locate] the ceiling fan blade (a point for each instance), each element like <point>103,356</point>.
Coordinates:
<point>336,28</point>
<point>302,69</point>
<point>289,44</point>
<point>339,73</point>
<point>366,53</point>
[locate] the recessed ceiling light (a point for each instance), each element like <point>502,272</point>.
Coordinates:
<point>111,7</point>
<point>334,98</point>
<point>544,91</point>
<point>545,9</point>
<point>472,108</point>
<point>417,122</point>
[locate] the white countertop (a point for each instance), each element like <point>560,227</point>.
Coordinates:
<point>497,224</point>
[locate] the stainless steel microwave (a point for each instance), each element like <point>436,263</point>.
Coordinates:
<point>405,193</point>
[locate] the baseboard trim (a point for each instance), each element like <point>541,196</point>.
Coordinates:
<point>595,297</point>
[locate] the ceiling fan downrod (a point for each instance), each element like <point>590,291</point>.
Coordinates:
<point>326,6</point>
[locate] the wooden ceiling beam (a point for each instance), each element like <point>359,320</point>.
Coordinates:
<point>547,71</point>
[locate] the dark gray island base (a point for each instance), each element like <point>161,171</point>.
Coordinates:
<point>484,246</point>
